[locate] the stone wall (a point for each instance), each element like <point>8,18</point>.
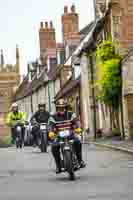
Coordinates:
<point>128,94</point>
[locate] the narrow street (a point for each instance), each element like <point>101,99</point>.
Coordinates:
<point>28,175</point>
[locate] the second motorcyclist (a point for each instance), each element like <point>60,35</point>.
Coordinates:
<point>41,116</point>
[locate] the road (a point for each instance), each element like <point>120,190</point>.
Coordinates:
<point>28,175</point>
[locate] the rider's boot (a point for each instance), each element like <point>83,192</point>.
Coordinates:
<point>78,150</point>
<point>57,158</point>
<point>58,169</point>
<point>82,164</point>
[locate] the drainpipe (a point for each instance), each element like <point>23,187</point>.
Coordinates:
<point>121,104</point>
<point>49,99</point>
<point>93,94</point>
<point>31,102</point>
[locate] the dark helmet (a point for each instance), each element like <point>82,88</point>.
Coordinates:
<point>61,103</point>
<point>41,105</point>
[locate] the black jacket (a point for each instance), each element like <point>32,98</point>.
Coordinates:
<point>41,117</point>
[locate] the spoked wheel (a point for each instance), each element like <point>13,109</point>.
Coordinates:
<point>69,164</point>
<point>21,145</point>
<point>17,143</point>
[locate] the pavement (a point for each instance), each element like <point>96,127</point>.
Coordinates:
<point>28,175</point>
<point>114,143</point>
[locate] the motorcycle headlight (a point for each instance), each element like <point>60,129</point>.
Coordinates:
<point>64,134</point>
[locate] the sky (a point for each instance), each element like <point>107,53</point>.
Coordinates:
<point>20,22</point>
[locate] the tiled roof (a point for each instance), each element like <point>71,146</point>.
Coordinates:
<point>26,88</point>
<point>22,89</point>
<point>84,31</point>
<point>68,87</point>
<point>56,69</point>
<point>92,34</point>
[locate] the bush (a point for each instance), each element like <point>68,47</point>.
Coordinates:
<point>5,141</point>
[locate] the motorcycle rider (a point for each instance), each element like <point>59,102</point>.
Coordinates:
<point>64,118</point>
<point>40,116</point>
<point>12,119</point>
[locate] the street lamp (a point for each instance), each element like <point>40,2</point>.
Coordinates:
<point>49,98</point>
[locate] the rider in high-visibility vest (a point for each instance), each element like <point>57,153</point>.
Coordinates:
<point>13,117</point>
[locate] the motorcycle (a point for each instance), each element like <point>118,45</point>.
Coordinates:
<point>43,137</point>
<point>18,130</point>
<point>69,158</point>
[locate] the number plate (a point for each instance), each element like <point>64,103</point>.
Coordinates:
<point>66,148</point>
<point>43,127</point>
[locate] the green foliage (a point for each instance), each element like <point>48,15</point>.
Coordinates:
<point>106,51</point>
<point>109,78</point>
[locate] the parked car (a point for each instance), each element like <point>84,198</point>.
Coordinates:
<point>28,127</point>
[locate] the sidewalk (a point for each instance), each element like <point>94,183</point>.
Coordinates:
<point>114,143</point>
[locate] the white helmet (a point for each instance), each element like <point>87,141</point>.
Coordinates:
<point>14,105</point>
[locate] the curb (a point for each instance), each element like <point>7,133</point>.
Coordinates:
<point>111,147</point>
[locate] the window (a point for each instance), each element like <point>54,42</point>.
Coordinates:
<point>62,57</point>
<point>116,24</point>
<point>78,106</point>
<point>71,49</point>
<point>77,71</point>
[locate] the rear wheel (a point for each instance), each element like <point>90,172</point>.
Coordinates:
<point>20,145</point>
<point>69,164</point>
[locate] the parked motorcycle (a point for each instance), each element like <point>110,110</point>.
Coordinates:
<point>69,158</point>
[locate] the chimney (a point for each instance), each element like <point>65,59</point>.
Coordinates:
<point>73,9</point>
<point>47,41</point>
<point>70,23</point>
<point>52,34</point>
<point>46,25</point>
<point>51,25</point>
<point>65,9</point>
<point>2,59</point>
<point>41,25</point>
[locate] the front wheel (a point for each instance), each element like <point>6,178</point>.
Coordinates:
<point>44,143</point>
<point>17,143</point>
<point>69,164</point>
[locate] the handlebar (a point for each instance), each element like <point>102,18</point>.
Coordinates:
<point>18,124</point>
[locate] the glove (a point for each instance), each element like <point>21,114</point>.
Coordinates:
<point>51,135</point>
<point>78,131</point>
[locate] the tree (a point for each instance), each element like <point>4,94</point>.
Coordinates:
<point>109,79</point>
